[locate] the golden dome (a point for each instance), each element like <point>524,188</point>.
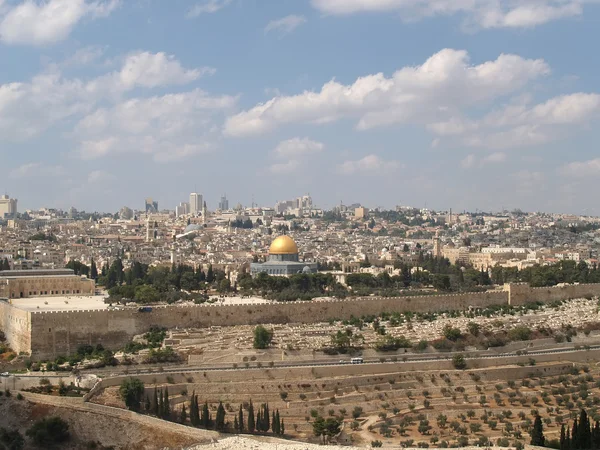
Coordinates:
<point>283,245</point>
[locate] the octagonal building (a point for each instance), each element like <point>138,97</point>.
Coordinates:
<point>283,260</point>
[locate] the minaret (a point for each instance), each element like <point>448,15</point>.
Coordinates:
<point>204,213</point>
<point>437,245</point>
<point>148,230</point>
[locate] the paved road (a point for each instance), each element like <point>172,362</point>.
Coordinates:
<point>325,363</point>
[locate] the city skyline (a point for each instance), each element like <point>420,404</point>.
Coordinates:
<point>480,105</point>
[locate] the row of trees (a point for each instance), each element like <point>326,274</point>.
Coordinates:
<point>132,392</point>
<point>4,264</point>
<point>147,284</point>
<point>581,436</point>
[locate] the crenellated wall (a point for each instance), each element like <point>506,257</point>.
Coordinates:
<point>49,334</point>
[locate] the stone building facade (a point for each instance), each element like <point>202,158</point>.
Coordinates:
<point>40,283</point>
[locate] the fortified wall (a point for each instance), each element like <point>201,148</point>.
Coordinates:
<point>49,334</point>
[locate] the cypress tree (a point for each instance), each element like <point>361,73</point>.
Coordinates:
<point>220,419</point>
<point>259,425</point>
<point>236,425</point>
<point>585,434</point>
<point>205,416</point>
<point>282,428</point>
<point>562,437</point>
<point>183,416</point>
<point>251,422</point>
<point>148,404</point>
<point>266,418</point>
<point>278,422</point>
<point>241,420</point>
<point>274,423</point>
<point>537,432</point>
<point>166,405</point>
<point>94,270</point>
<point>194,411</point>
<point>575,436</point>
<point>568,440</point>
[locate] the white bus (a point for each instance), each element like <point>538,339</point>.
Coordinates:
<point>356,360</point>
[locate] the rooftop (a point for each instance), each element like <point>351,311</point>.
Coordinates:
<point>63,303</point>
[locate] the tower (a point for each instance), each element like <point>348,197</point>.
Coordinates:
<point>204,213</point>
<point>195,203</point>
<point>437,246</point>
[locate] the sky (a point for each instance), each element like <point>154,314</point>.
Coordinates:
<point>463,104</point>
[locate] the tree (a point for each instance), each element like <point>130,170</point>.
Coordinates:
<point>194,410</point>
<point>205,420</point>
<point>154,405</point>
<point>166,406</point>
<point>262,337</point>
<point>459,362</point>
<point>183,416</point>
<point>537,432</point>
<point>251,422</point>
<point>241,420</point>
<point>220,419</point>
<point>132,393</point>
<point>49,432</point>
<point>94,270</point>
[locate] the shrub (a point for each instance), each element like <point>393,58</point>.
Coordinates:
<point>459,362</point>
<point>262,337</point>
<point>49,432</point>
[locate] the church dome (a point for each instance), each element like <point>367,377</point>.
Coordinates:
<point>283,245</point>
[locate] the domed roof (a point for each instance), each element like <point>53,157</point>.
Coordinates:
<point>192,227</point>
<point>283,245</point>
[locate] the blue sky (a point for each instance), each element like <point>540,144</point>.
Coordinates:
<point>459,104</point>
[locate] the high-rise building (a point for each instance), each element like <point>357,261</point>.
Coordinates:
<point>196,203</point>
<point>151,206</point>
<point>224,203</point>
<point>182,209</point>
<point>8,207</point>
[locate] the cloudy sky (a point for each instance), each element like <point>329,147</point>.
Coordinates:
<point>439,103</point>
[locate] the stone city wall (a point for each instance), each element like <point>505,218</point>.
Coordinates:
<point>50,334</point>
<point>16,326</point>
<point>60,333</point>
<point>521,293</point>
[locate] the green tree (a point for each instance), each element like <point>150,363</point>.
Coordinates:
<point>132,393</point>
<point>49,432</point>
<point>241,420</point>
<point>94,270</point>
<point>166,407</point>
<point>220,419</point>
<point>459,362</point>
<point>251,421</point>
<point>537,432</point>
<point>205,419</point>
<point>262,337</point>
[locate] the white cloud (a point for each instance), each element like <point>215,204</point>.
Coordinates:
<point>286,24</point>
<point>37,170</point>
<point>148,70</point>
<point>582,168</point>
<point>368,164</point>
<point>42,23</point>
<point>169,127</point>
<point>472,161</point>
<point>207,7</point>
<point>522,124</point>
<point>29,108</point>
<point>485,14</point>
<point>297,147</point>
<point>284,168</point>
<point>423,94</point>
